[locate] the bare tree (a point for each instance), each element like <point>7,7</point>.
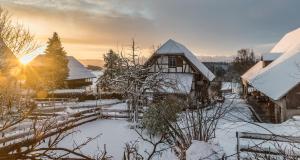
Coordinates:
<point>18,39</point>
<point>133,80</point>
<point>131,151</point>
<point>183,127</point>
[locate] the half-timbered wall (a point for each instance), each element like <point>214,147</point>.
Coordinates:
<point>165,64</point>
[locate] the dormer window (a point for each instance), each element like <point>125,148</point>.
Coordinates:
<point>172,61</point>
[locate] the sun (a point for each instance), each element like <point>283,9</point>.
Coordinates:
<point>26,59</point>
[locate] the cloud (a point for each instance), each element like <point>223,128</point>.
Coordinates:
<point>207,27</point>
<point>81,28</point>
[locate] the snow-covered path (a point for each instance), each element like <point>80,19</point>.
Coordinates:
<point>239,119</point>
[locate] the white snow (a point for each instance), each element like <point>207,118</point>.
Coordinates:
<point>77,70</point>
<point>239,119</point>
<point>279,77</point>
<point>226,86</point>
<point>98,102</point>
<point>172,47</point>
<point>114,134</point>
<point>252,72</point>
<point>290,40</point>
<point>67,91</point>
<point>204,151</point>
<point>178,83</point>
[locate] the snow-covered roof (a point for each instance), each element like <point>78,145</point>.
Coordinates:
<point>270,56</point>
<point>180,83</point>
<point>253,71</point>
<point>172,47</point>
<point>77,70</point>
<point>279,77</point>
<point>289,40</point>
<point>68,91</point>
<point>283,74</point>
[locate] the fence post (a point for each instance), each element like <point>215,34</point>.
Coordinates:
<point>238,145</point>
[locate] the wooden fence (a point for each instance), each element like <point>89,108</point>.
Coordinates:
<point>257,149</point>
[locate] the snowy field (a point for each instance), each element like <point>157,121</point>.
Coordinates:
<point>115,133</point>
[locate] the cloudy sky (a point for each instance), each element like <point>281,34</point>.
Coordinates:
<point>89,28</point>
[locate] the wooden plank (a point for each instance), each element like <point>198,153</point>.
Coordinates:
<point>269,137</point>
<point>264,150</point>
<point>238,145</point>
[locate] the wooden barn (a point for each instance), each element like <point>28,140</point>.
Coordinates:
<point>276,89</point>
<point>176,62</point>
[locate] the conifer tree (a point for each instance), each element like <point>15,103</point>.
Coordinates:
<point>56,63</point>
<point>112,68</point>
<point>112,63</point>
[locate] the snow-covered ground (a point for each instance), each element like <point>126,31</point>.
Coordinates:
<point>233,87</point>
<point>203,150</point>
<point>239,119</point>
<point>115,133</point>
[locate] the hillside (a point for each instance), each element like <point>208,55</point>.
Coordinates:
<point>94,62</point>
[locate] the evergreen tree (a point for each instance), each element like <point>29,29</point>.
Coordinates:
<point>56,63</point>
<point>112,68</point>
<point>112,63</point>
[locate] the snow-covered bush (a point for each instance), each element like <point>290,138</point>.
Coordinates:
<point>204,151</point>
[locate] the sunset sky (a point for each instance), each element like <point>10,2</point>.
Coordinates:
<point>89,28</point>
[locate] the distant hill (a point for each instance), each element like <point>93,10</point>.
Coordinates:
<point>216,58</point>
<point>93,62</point>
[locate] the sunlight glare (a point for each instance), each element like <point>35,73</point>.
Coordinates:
<point>26,59</point>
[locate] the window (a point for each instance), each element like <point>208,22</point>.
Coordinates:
<point>172,62</point>
<point>179,61</point>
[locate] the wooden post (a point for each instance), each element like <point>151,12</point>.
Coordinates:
<point>238,145</point>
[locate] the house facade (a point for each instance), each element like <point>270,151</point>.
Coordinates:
<point>275,81</point>
<point>175,62</point>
